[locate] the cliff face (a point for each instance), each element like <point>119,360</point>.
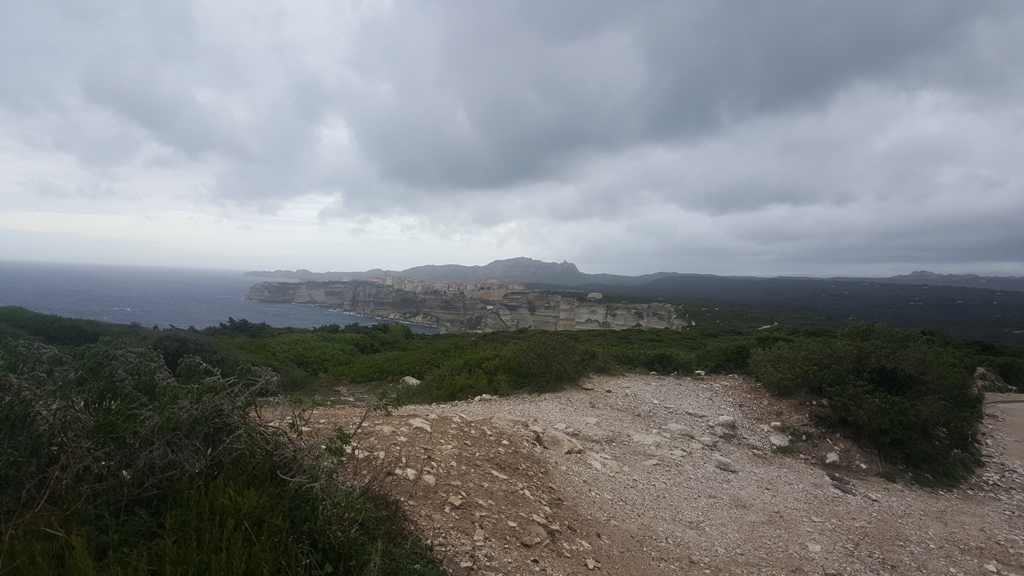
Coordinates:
<point>458,312</point>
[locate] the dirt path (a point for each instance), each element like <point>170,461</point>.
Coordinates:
<point>678,476</point>
<point>1006,417</point>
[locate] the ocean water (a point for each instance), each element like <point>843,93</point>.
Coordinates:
<point>154,296</point>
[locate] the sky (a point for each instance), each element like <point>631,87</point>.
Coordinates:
<point>867,138</point>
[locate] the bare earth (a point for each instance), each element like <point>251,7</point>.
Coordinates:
<point>645,495</point>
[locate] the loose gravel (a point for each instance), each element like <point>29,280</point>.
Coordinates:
<point>673,475</point>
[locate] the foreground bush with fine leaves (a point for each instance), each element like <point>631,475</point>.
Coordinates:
<point>111,464</point>
<point>908,393</point>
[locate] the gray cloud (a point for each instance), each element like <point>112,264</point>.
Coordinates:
<point>660,135</point>
<point>509,92</point>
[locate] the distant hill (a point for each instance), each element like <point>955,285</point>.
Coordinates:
<point>963,312</point>
<point>530,271</point>
<point>522,270</point>
<point>925,278</point>
<point>963,305</point>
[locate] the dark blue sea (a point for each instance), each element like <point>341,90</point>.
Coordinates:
<point>154,296</point>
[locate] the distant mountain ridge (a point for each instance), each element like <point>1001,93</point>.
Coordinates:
<point>926,278</point>
<point>522,270</point>
<point>965,306</point>
<point>529,271</point>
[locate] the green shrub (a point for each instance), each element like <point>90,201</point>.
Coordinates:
<point>725,357</point>
<point>110,464</point>
<point>903,391</point>
<point>504,363</point>
<point>176,345</point>
<point>663,360</point>
<point>546,361</point>
<point>1011,370</point>
<point>53,330</point>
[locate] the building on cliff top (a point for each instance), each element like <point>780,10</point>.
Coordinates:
<point>485,290</point>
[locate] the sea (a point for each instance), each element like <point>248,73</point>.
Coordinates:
<point>161,297</point>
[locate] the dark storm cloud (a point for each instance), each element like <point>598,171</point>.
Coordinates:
<point>445,96</point>
<point>491,94</point>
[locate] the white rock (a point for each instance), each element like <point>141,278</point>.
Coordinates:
<point>590,420</point>
<point>725,422</point>
<point>779,440</point>
<point>832,458</point>
<point>681,430</point>
<point>724,433</point>
<point>647,439</point>
<point>419,423</point>
<point>723,463</point>
<point>428,479</point>
<point>409,381</point>
<point>560,442</point>
<point>612,466</point>
<point>534,535</point>
<point>411,474</point>
<point>814,547</point>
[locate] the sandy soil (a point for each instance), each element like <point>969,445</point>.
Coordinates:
<point>670,475</point>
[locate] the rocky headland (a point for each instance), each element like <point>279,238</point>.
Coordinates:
<point>471,306</point>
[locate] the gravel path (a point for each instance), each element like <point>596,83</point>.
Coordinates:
<point>668,475</point>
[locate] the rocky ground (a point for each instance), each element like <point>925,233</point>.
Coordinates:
<point>667,475</point>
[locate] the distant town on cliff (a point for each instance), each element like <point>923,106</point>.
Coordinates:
<point>526,293</point>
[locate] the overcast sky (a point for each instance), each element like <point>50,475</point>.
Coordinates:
<point>799,137</point>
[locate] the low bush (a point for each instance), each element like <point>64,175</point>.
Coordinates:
<point>176,345</point>
<point>903,391</point>
<point>111,464</point>
<point>1011,370</point>
<point>663,360</point>
<point>725,357</point>
<point>503,363</point>
<point>17,322</point>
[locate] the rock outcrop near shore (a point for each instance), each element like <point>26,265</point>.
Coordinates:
<point>461,311</point>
